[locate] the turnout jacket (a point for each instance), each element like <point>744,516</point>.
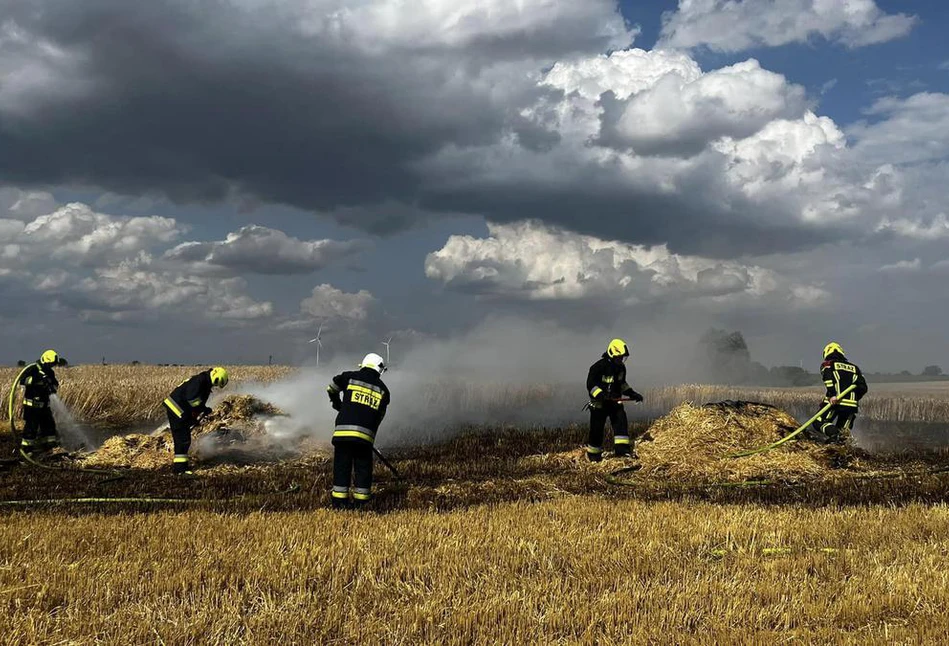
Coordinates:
<point>838,375</point>
<point>190,397</point>
<point>361,398</point>
<point>607,380</point>
<point>39,383</point>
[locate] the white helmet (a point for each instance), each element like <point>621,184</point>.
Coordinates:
<point>374,361</point>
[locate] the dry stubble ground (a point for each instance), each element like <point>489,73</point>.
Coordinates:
<point>557,555</point>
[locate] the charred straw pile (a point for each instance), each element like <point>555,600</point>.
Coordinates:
<point>236,419</point>
<point>695,443</point>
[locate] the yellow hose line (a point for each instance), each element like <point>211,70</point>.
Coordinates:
<point>12,398</point>
<point>117,475</point>
<point>68,501</point>
<point>787,438</point>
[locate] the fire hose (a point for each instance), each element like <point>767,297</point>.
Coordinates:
<point>789,437</point>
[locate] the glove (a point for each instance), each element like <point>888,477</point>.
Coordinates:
<point>635,396</point>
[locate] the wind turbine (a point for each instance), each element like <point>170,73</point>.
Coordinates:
<point>386,344</point>
<point>319,344</point>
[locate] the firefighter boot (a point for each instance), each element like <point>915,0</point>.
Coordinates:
<point>181,466</point>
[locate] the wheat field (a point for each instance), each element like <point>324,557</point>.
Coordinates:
<point>495,536</point>
<point>570,571</point>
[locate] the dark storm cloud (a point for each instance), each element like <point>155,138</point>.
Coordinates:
<point>204,100</point>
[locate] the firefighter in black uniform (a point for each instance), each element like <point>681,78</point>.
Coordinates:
<point>185,406</point>
<point>361,398</point>
<point>39,382</point>
<point>606,384</point>
<point>838,375</point>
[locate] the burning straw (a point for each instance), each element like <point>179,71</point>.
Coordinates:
<point>235,426</point>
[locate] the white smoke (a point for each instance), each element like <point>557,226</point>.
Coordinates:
<point>505,372</point>
<point>72,433</point>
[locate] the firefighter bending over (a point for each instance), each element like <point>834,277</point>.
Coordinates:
<point>361,398</point>
<point>185,406</point>
<point>838,374</point>
<point>606,384</point>
<point>39,383</point>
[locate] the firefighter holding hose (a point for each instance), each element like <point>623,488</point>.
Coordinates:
<point>838,374</point>
<point>607,387</point>
<point>186,405</point>
<point>361,399</point>
<point>39,384</point>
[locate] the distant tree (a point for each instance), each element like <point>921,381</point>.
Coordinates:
<point>727,355</point>
<point>932,371</point>
<point>906,373</point>
<point>20,363</point>
<point>136,363</point>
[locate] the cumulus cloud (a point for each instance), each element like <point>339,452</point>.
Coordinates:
<point>113,268</point>
<point>738,25</point>
<point>529,261</point>
<point>913,265</point>
<point>913,130</point>
<point>24,205</point>
<point>77,233</point>
<point>328,302</point>
<point>753,171</point>
<point>680,115</point>
<point>262,250</point>
<point>133,289</point>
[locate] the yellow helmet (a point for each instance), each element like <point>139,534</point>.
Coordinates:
<point>218,377</point>
<point>49,358</point>
<point>831,348</point>
<point>617,348</point>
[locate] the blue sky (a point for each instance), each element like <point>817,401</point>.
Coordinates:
<point>686,200</point>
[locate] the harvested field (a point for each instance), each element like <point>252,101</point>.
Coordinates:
<point>497,535</point>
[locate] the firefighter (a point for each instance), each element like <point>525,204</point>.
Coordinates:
<point>361,399</point>
<point>185,406</point>
<point>40,383</point>
<point>838,374</point>
<point>606,385</point>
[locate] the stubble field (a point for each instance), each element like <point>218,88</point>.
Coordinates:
<point>493,536</point>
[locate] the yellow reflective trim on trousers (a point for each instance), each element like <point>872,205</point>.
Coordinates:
<point>170,403</point>
<point>339,494</point>
<point>362,436</point>
<point>621,439</point>
<point>594,449</point>
<point>362,496</point>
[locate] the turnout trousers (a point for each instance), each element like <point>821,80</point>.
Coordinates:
<point>834,422</point>
<point>352,473</point>
<point>39,429</point>
<point>181,434</point>
<point>620,424</point>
